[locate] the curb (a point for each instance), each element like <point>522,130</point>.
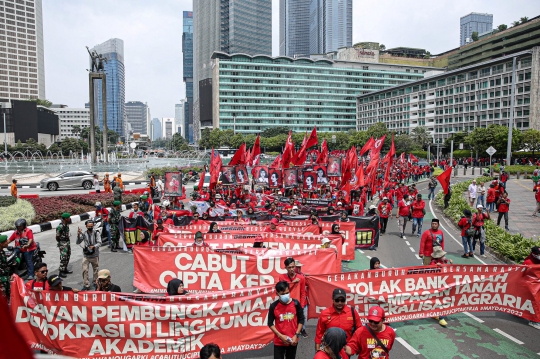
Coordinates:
<point>47,226</point>
<point>36,185</point>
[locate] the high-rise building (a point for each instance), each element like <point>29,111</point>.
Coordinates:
<point>232,26</point>
<point>136,112</point>
<point>294,28</point>
<point>330,25</point>
<point>22,64</point>
<point>113,51</point>
<point>71,120</point>
<point>187,51</point>
<point>156,130</point>
<point>179,121</point>
<point>167,124</point>
<point>473,22</point>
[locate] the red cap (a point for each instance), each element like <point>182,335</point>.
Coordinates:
<point>259,238</point>
<point>376,314</point>
<point>274,221</point>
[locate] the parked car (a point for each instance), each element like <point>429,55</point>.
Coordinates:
<point>69,180</point>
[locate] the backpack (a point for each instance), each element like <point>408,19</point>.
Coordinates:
<point>471,231</point>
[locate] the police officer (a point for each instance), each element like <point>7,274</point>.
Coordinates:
<point>62,239</point>
<point>114,220</point>
<point>5,273</point>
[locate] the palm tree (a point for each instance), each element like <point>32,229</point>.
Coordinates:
<point>76,130</point>
<point>524,19</point>
<point>421,136</point>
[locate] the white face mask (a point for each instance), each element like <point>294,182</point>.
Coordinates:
<point>199,243</point>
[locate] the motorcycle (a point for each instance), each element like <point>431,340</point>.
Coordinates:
<point>17,263</point>
<point>99,227</point>
<point>188,178</point>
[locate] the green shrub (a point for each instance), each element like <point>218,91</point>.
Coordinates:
<point>514,169</point>
<point>160,171</point>
<point>419,153</point>
<point>21,209</point>
<point>6,201</point>
<point>512,246</point>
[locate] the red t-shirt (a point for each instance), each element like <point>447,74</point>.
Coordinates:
<point>418,209</point>
<point>403,209</point>
<point>329,318</point>
<point>363,343</point>
<point>285,317</point>
<point>32,284</point>
<point>464,223</point>
<point>491,194</point>
<point>26,233</point>
<point>104,213</point>
<point>385,211</point>
<point>298,289</point>
<point>428,239</point>
<point>358,208</point>
<point>322,355</point>
<point>503,207</point>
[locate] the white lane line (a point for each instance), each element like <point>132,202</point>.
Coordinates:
<point>408,346</point>
<point>407,242</point>
<point>412,249</point>
<point>417,256</point>
<point>473,317</point>
<point>454,238</point>
<point>508,336</point>
<point>360,251</point>
<point>368,257</point>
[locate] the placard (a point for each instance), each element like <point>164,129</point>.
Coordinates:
<point>334,166</point>
<point>173,184</point>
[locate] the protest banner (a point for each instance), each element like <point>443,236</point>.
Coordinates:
<point>205,269</point>
<point>280,241</point>
<point>422,292</point>
<point>105,325</point>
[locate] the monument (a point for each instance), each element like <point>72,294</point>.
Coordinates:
<point>97,72</point>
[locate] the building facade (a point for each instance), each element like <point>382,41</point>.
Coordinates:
<point>156,130</point>
<point>25,120</point>
<point>136,112</point>
<point>69,118</point>
<point>253,93</point>
<point>460,100</point>
<point>113,51</point>
<point>179,121</point>
<point>243,26</point>
<point>330,25</point>
<point>473,22</point>
<point>167,129</point>
<point>22,64</point>
<point>294,28</point>
<point>187,52</point>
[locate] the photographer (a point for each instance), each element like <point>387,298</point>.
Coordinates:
<point>25,244</point>
<point>90,242</point>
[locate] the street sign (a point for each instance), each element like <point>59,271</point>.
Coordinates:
<point>490,151</point>
<point>133,145</point>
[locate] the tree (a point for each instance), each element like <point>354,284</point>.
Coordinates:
<point>382,47</point>
<point>531,140</point>
<point>516,23</point>
<point>377,130</point>
<point>493,135</point>
<point>76,130</point>
<point>204,142</point>
<point>179,143</point>
<point>502,27</point>
<point>112,137</point>
<point>427,55</point>
<point>358,139</point>
<point>459,137</point>
<point>474,36</point>
<point>524,19</point>
<point>405,143</point>
<point>274,131</point>
<point>421,136</point>
<point>237,140</point>
<point>44,103</point>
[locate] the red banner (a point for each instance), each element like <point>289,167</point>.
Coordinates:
<point>423,292</point>
<point>204,269</point>
<point>120,325</point>
<point>280,241</point>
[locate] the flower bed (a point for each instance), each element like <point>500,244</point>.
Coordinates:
<point>512,246</point>
<point>9,214</point>
<point>51,208</point>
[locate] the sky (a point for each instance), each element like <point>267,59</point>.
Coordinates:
<point>152,34</point>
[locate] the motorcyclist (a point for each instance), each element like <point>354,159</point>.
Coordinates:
<point>104,214</point>
<point>25,244</point>
<point>5,273</point>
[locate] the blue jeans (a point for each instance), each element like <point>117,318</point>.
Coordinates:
<point>431,194</point>
<point>481,200</point>
<point>482,246</point>
<point>491,207</point>
<point>28,256</point>
<point>467,246</point>
<point>107,230</point>
<point>419,222</point>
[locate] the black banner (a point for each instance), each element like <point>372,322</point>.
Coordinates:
<point>309,201</point>
<point>367,231</point>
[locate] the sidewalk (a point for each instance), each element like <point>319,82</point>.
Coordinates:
<point>522,206</point>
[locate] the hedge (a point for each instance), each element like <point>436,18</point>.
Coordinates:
<point>512,246</point>
<point>21,209</point>
<point>160,171</point>
<point>514,169</point>
<point>6,201</point>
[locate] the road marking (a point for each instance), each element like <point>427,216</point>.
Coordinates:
<point>412,249</point>
<point>508,336</point>
<point>368,257</point>
<point>407,242</point>
<point>454,238</point>
<point>473,317</point>
<point>360,251</point>
<point>408,346</point>
<point>417,256</point>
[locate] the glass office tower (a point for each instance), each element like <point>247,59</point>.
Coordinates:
<point>187,51</point>
<point>294,28</point>
<point>330,25</point>
<point>474,22</point>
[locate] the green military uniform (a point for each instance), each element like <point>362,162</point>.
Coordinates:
<point>62,237</point>
<point>5,273</point>
<point>117,193</point>
<point>114,220</point>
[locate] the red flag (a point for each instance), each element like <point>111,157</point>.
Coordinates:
<point>201,180</point>
<point>300,157</point>
<point>444,179</point>
<point>288,152</point>
<point>276,163</point>
<point>239,157</point>
<point>367,146</point>
<point>13,344</point>
<point>413,158</point>
<point>349,165</point>
<point>402,157</point>
<point>377,147</point>
<point>215,167</point>
<point>389,159</point>
<point>323,156</point>
<point>313,140</point>
<point>346,189</point>
<point>256,151</point>
<point>392,151</point>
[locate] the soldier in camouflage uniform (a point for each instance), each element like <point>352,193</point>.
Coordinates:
<point>62,237</point>
<point>5,273</point>
<point>114,220</point>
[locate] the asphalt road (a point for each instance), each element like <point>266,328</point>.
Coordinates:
<point>470,335</point>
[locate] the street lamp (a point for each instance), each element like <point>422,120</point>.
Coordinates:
<point>5,106</point>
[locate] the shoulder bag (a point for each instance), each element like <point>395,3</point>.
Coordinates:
<point>378,340</point>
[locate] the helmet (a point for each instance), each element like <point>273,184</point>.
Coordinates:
<point>166,203</point>
<point>196,188</point>
<point>98,204</point>
<point>21,222</point>
<point>145,192</point>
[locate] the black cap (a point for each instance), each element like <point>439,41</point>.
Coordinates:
<point>54,280</point>
<point>435,220</point>
<point>535,250</point>
<point>338,293</point>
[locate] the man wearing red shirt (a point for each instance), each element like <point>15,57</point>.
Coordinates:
<point>104,214</point>
<point>136,212</point>
<point>285,318</point>
<point>357,207</point>
<point>404,208</point>
<point>364,343</point>
<point>431,238</point>
<point>504,206</point>
<point>40,283</point>
<point>418,208</point>
<point>385,211</point>
<point>537,198</point>
<point>273,226</point>
<point>25,244</point>
<point>296,281</point>
<point>205,196</point>
<point>338,315</point>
